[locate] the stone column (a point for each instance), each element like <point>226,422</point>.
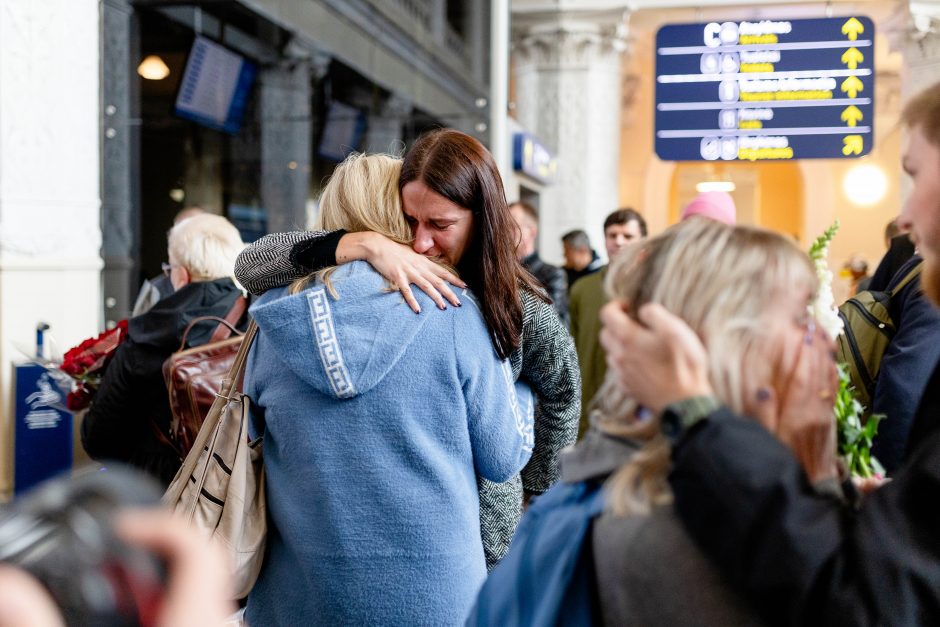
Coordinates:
<point>918,38</point>
<point>50,234</point>
<point>286,131</point>
<point>914,30</point>
<point>568,73</point>
<point>120,158</point>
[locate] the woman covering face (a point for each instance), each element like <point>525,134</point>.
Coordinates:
<point>455,206</point>
<point>745,293</point>
<point>377,423</point>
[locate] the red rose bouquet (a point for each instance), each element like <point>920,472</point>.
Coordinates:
<point>86,362</point>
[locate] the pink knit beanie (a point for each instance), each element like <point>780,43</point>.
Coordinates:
<point>714,205</point>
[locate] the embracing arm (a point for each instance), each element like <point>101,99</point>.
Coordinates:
<point>279,258</point>
<point>550,365</point>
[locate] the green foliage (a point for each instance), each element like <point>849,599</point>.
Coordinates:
<point>855,438</point>
<point>820,245</point>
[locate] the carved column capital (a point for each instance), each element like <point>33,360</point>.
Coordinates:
<point>569,39</point>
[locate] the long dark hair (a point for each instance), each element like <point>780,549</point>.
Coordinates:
<point>461,169</point>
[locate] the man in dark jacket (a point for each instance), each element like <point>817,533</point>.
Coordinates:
<point>905,368</point>
<point>129,418</point>
<point>551,277</point>
<point>801,559</point>
<point>580,259</point>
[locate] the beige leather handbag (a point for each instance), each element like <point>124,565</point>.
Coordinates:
<point>220,486</point>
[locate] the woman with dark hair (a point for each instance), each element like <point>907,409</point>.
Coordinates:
<point>453,198</point>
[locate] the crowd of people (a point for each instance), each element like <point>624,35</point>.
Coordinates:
<point>457,432</point>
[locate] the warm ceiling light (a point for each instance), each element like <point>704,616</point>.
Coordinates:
<point>865,184</point>
<point>153,68</point>
<point>715,186</point>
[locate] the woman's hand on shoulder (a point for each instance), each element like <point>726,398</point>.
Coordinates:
<point>401,266</point>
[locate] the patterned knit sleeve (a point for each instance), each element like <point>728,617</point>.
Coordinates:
<point>271,261</point>
<point>550,365</point>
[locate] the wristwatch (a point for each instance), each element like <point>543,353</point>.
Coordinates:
<point>678,417</point>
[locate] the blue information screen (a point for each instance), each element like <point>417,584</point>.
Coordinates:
<point>765,90</point>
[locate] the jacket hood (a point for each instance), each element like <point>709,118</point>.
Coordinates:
<point>163,326</point>
<point>342,346</point>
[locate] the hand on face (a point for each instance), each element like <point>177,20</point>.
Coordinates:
<point>798,407</point>
<point>658,360</point>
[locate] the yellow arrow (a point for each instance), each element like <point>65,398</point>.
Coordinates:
<point>852,29</point>
<point>852,57</point>
<point>852,115</point>
<point>852,145</point>
<point>852,86</point>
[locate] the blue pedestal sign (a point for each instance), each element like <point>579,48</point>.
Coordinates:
<point>766,90</point>
<point>43,431</point>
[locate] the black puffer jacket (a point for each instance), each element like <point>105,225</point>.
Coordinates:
<point>132,400</point>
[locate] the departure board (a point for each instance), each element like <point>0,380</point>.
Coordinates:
<point>765,90</point>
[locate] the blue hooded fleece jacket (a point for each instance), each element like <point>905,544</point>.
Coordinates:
<point>376,422</point>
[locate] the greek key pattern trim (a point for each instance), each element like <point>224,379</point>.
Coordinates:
<point>331,355</point>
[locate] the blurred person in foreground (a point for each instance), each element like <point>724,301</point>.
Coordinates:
<point>622,227</point>
<point>800,559</point>
<point>746,291</point>
<point>376,423</point>
<point>551,277</point>
<point>130,415</point>
<point>580,259</point>
<point>196,593</point>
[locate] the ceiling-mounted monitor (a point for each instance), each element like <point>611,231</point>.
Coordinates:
<point>215,87</point>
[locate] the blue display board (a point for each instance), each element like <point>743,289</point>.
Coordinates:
<point>530,157</point>
<point>767,90</point>
<point>215,86</point>
<point>43,431</point>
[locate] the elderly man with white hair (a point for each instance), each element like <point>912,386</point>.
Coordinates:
<point>130,416</point>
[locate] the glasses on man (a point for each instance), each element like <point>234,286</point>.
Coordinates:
<point>167,268</point>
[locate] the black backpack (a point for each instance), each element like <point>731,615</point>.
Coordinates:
<point>868,331</point>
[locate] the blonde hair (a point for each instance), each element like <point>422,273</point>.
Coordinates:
<point>206,245</point>
<point>722,281</point>
<point>362,195</point>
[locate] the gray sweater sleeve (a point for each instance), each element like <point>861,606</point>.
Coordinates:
<point>268,262</point>
<point>548,362</point>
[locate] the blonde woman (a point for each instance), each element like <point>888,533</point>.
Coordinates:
<point>744,292</point>
<point>376,424</point>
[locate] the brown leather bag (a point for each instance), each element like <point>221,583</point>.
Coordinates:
<point>193,376</point>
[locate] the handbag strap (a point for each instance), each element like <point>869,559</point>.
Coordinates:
<point>231,319</point>
<point>234,377</point>
<point>225,327</point>
<point>210,425</point>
